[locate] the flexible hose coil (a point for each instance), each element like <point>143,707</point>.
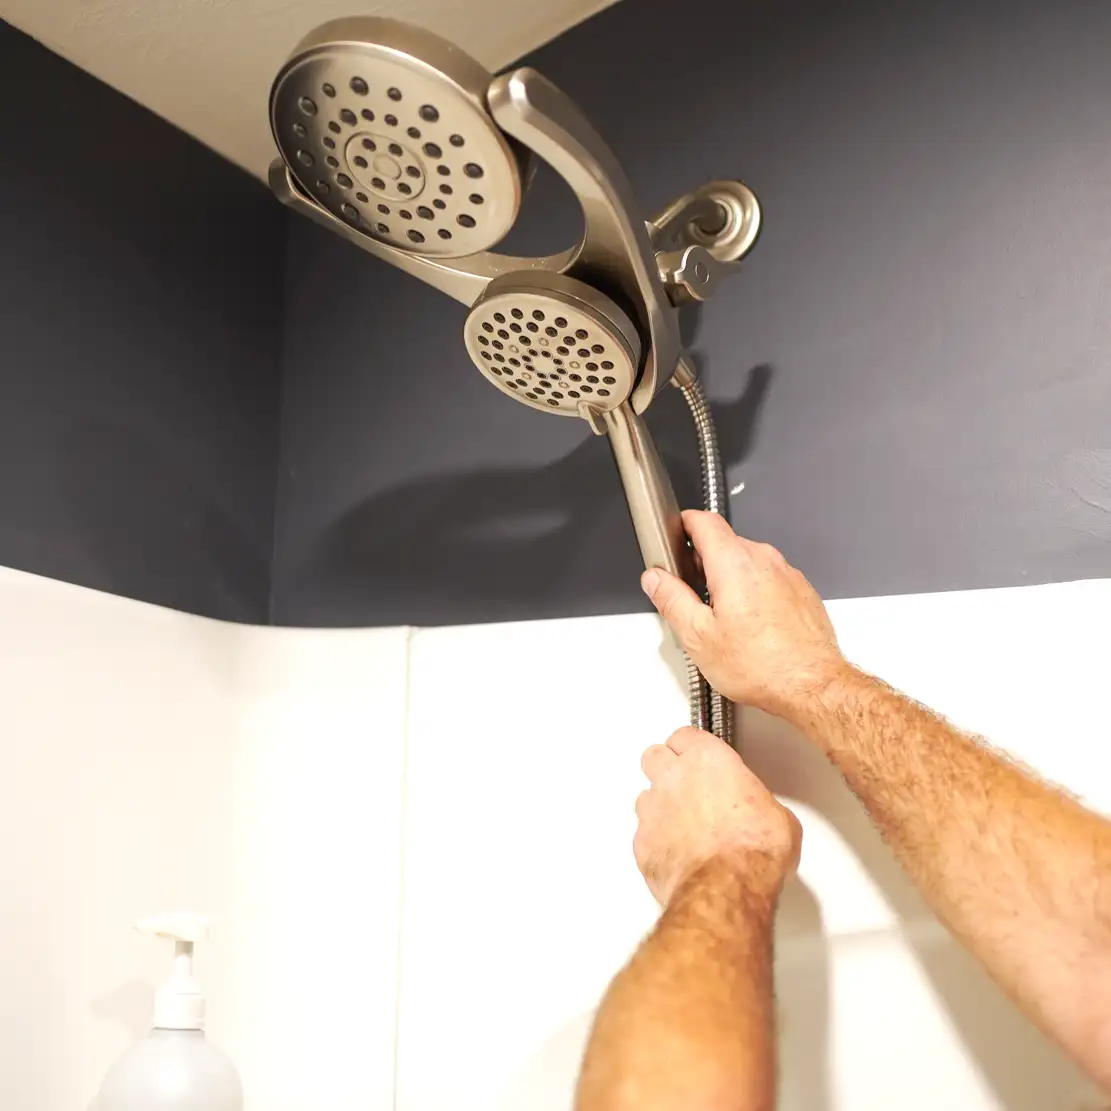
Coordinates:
<point>710,709</point>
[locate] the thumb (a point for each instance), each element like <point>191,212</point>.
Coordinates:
<point>677,603</point>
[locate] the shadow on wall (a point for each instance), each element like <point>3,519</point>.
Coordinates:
<point>442,541</point>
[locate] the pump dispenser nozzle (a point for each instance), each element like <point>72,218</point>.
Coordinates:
<point>179,1004</point>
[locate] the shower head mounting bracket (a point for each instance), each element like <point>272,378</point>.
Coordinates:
<point>346,152</point>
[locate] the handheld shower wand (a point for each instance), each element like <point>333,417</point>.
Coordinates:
<point>407,147</point>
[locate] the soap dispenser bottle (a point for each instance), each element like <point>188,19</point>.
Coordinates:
<point>175,1067</point>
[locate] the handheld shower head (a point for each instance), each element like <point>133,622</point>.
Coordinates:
<point>386,127</point>
<point>402,144</point>
<point>554,343</point>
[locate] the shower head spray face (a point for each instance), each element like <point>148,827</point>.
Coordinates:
<point>556,345</point>
<point>386,126</point>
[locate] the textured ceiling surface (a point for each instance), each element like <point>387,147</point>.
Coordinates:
<point>206,65</point>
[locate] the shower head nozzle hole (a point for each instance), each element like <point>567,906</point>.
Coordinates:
<point>367,115</point>
<point>329,90</point>
<point>344,180</point>
<point>391,120</point>
<point>415,236</point>
<point>393,94</point>
<point>425,213</point>
<point>465,221</point>
<point>443,171</point>
<point>349,117</point>
<point>402,187</point>
<point>443,233</point>
<point>359,87</point>
<point>432,150</point>
<point>473,169</point>
<point>334,127</point>
<point>305,158</point>
<point>413,132</point>
<point>300,130</point>
<point>329,142</point>
<point>428,113</point>
<point>437,203</point>
<point>446,190</point>
<point>307,106</point>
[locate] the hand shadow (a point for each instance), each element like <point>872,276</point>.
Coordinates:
<point>501,544</point>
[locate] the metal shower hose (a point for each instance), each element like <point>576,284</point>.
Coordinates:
<point>710,709</point>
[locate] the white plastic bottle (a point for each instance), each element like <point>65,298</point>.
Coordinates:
<point>175,1067</point>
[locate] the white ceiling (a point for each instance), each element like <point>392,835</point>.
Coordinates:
<point>207,65</point>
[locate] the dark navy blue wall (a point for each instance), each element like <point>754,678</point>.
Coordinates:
<point>140,309</point>
<point>912,376</point>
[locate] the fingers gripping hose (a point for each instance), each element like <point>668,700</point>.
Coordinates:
<point>710,709</point>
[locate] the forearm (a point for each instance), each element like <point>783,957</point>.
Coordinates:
<point>1016,868</point>
<point>689,1024</point>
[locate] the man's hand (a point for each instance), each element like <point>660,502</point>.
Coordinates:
<point>705,806</point>
<point>766,641</point>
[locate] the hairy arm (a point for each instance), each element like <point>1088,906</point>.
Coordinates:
<point>689,1024</point>
<point>1016,869</point>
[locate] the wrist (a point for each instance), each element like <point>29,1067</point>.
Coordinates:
<point>742,878</point>
<point>818,693</point>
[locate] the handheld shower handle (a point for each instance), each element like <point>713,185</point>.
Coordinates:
<point>652,502</point>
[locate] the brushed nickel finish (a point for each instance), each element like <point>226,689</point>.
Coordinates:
<point>554,343</point>
<point>400,143</point>
<point>386,127</point>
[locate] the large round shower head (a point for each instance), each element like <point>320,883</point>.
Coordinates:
<point>387,127</point>
<point>554,343</point>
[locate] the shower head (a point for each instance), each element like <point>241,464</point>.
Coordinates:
<point>405,146</point>
<point>554,343</point>
<point>386,127</point>
<point>402,144</point>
